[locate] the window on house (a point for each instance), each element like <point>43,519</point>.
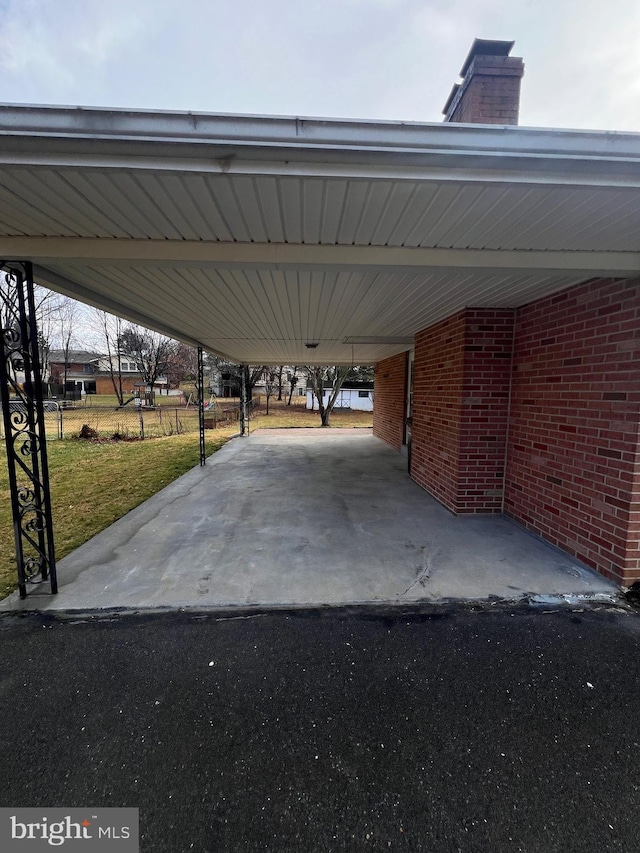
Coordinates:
<point>363,393</point>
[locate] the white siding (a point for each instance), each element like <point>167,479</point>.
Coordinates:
<point>348,398</point>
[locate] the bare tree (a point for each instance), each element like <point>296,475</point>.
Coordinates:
<point>65,318</point>
<point>270,384</point>
<point>235,375</point>
<point>292,379</point>
<point>333,378</point>
<point>182,364</point>
<point>151,353</point>
<point>109,329</point>
<point>252,375</point>
<point>45,302</point>
<point>280,376</point>
<point>325,376</point>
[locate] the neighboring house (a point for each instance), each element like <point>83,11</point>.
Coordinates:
<point>223,382</point>
<point>77,370</point>
<point>132,380</point>
<point>88,373</point>
<point>358,398</point>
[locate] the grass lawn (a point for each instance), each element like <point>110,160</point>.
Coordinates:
<point>99,400</point>
<point>298,416</point>
<point>92,400</point>
<point>94,484</point>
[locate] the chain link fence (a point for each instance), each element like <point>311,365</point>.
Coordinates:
<point>108,422</point>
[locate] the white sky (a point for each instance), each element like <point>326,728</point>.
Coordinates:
<point>378,59</point>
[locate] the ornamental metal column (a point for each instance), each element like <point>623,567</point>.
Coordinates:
<point>243,400</point>
<point>24,427</point>
<point>201,405</point>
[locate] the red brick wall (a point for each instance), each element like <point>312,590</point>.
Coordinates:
<point>437,400</point>
<point>460,408</point>
<point>390,388</point>
<point>490,93</point>
<point>485,409</point>
<point>573,472</point>
<point>104,385</point>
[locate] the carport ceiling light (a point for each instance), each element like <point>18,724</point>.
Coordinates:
<point>379,340</point>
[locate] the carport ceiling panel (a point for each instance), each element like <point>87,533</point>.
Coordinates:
<point>143,204</point>
<point>268,315</point>
<point>252,304</point>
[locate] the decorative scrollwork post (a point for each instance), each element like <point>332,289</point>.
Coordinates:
<point>203,455</point>
<point>24,427</point>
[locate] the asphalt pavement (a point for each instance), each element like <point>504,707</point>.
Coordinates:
<point>452,728</point>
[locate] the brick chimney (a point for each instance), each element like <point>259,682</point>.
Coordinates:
<point>490,88</point>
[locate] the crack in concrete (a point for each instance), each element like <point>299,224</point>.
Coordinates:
<point>424,574</point>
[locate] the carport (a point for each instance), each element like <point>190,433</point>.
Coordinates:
<point>253,237</point>
<point>311,517</point>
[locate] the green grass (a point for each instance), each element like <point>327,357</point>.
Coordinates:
<point>92,485</point>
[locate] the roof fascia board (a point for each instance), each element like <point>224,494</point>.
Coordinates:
<point>131,252</point>
<point>78,136</point>
<point>440,167</point>
<point>225,129</point>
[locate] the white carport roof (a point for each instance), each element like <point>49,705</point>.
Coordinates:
<point>251,236</point>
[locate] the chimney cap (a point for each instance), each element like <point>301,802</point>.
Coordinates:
<point>486,47</point>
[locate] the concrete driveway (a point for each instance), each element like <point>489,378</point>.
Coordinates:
<point>306,517</point>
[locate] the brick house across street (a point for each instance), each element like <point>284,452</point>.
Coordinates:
<point>491,272</point>
<point>77,368</point>
<point>88,373</point>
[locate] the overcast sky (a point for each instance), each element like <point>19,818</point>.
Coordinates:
<point>378,59</point>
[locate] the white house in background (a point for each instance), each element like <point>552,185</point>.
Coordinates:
<point>357,398</point>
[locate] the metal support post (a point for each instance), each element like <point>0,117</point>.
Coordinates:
<point>243,401</point>
<point>201,405</point>
<point>23,415</point>
<point>248,402</point>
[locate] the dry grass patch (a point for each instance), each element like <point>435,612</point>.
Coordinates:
<point>296,415</point>
<point>90,401</point>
